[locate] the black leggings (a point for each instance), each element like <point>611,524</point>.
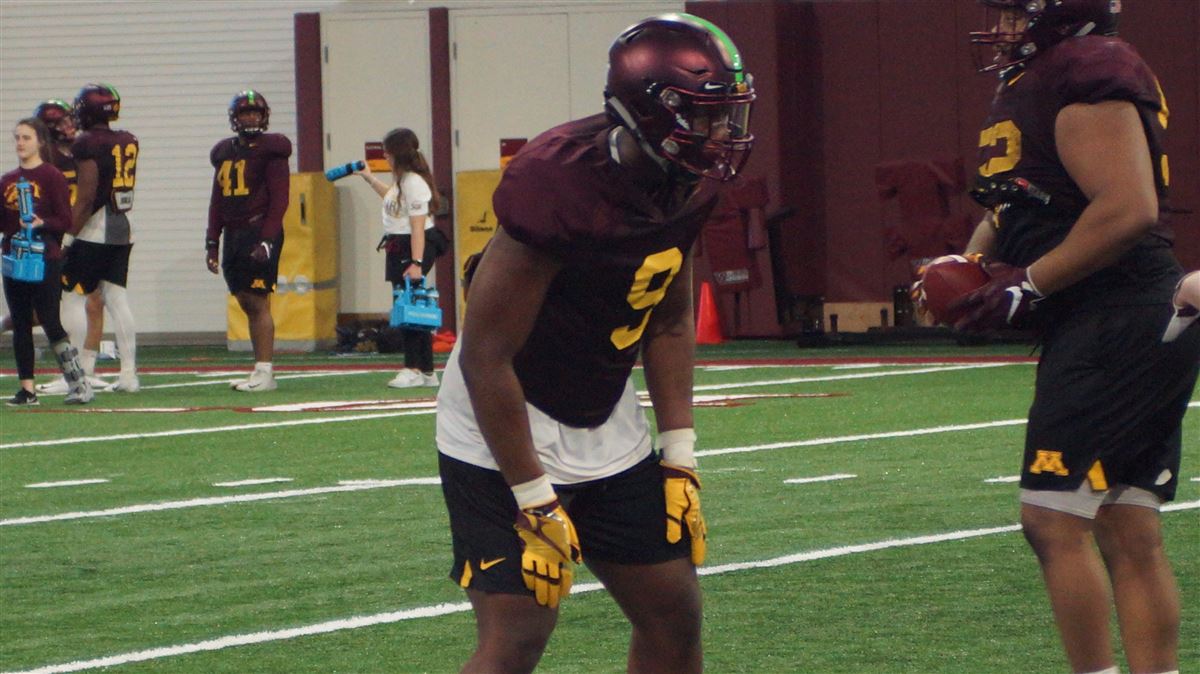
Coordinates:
<point>23,300</point>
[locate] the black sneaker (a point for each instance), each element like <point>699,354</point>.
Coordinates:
<point>23,399</point>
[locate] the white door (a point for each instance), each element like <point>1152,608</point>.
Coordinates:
<point>375,77</point>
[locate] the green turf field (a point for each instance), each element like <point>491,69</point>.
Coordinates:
<point>890,551</point>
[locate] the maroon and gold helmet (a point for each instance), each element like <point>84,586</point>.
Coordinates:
<point>58,117</point>
<point>1019,29</point>
<point>245,101</point>
<point>676,81</point>
<point>95,104</point>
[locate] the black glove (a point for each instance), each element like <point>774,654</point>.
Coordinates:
<point>262,252</point>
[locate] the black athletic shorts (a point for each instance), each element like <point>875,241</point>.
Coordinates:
<point>1109,391</point>
<point>241,272</point>
<point>88,263</point>
<point>619,519</point>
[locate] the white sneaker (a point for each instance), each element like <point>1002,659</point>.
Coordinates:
<point>97,383</point>
<point>407,378</point>
<point>59,386</point>
<point>81,394</point>
<point>430,379</point>
<point>55,387</point>
<point>125,384</point>
<point>258,381</point>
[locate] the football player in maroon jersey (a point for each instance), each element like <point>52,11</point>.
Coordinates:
<point>538,420</point>
<point>249,198</point>
<point>1071,166</point>
<point>59,118</point>
<point>98,259</point>
<point>26,297</point>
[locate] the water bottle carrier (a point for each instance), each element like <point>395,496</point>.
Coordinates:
<point>25,260</point>
<point>416,307</point>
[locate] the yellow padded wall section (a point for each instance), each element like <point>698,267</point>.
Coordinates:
<point>305,302</point>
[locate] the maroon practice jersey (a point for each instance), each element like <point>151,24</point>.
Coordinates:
<point>116,154</point>
<point>563,194</point>
<point>51,203</point>
<point>1022,179</point>
<point>65,162</point>
<point>250,186</point>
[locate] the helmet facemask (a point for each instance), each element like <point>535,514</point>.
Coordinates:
<point>1019,29</point>
<point>711,133</point>
<point>247,101</point>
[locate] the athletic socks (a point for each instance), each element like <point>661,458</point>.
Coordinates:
<point>263,367</point>
<point>87,360</point>
<point>116,299</point>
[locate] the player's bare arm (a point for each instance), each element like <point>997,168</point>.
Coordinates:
<point>669,352</point>
<point>87,176</point>
<point>1104,149</point>
<point>984,237</point>
<point>506,295</point>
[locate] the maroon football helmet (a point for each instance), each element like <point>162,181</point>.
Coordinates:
<point>244,101</point>
<point>1046,23</point>
<point>58,117</point>
<point>676,82</point>
<point>95,104</point>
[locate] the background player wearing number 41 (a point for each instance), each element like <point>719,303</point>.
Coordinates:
<point>249,198</point>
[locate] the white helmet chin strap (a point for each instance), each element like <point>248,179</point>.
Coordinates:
<point>630,124</point>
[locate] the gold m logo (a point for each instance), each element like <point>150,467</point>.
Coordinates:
<point>1048,461</point>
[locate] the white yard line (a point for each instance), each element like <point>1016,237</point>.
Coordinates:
<point>841,377</point>
<point>214,429</point>
<point>821,478</point>
<point>65,483</point>
<point>252,481</point>
<point>860,438</point>
<point>1003,479</point>
<point>218,500</point>
<point>436,610</point>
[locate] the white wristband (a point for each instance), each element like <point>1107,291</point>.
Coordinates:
<point>535,492</point>
<point>678,447</point>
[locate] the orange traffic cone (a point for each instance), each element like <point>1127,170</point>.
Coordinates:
<point>708,325</point>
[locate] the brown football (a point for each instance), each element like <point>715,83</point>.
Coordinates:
<point>947,281</point>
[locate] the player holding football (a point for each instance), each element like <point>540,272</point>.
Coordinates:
<point>249,198</point>
<point>1072,168</point>
<point>106,170</point>
<point>538,421</point>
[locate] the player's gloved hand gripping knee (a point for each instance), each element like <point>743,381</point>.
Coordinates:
<point>681,486</point>
<point>551,546</point>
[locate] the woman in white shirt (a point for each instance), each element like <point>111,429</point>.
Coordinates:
<point>411,241</point>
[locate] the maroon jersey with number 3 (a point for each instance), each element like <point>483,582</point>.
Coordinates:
<point>563,194</point>
<point>250,185</point>
<point>1017,144</point>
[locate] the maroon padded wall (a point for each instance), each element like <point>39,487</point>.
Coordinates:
<point>844,86</point>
